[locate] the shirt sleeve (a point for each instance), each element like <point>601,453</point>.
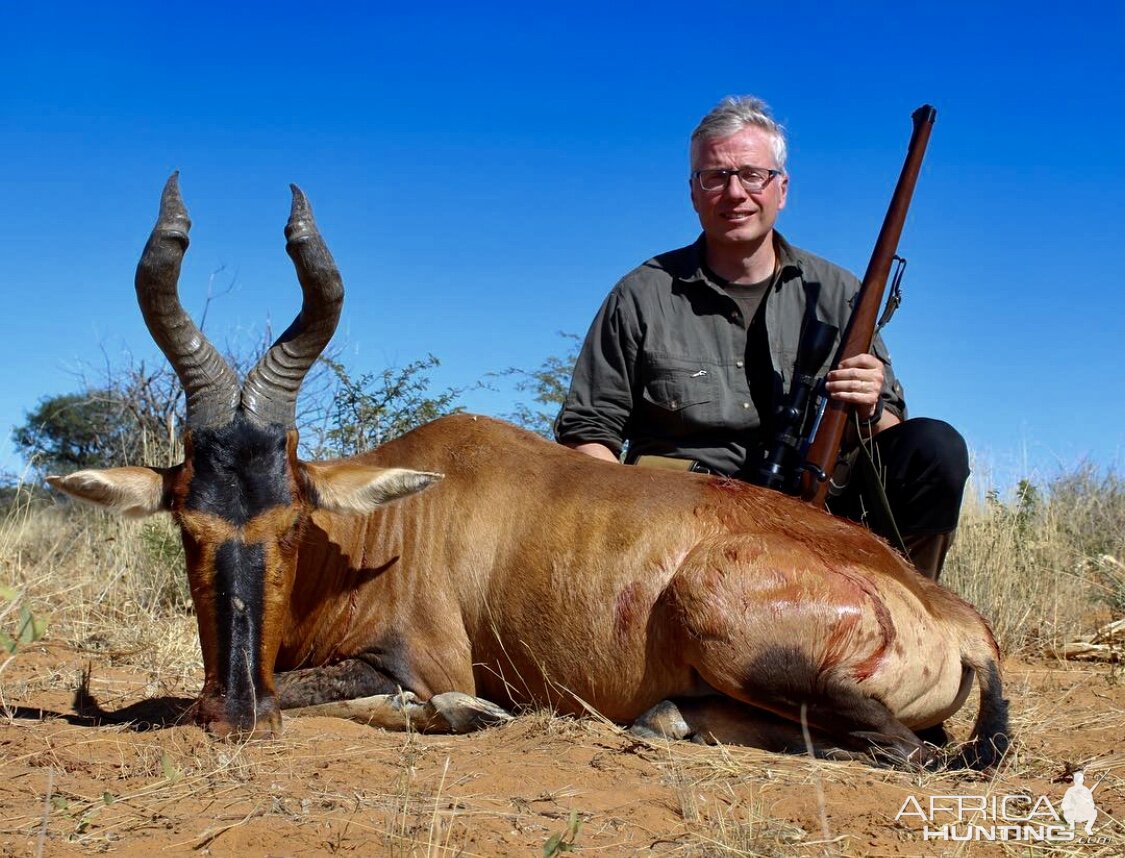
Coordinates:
<point>600,400</point>
<point>893,396</point>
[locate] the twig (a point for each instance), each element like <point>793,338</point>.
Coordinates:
<point>209,837</point>
<point>3,701</point>
<point>437,800</point>
<point>42,840</point>
<point>822,804</point>
<point>1105,644</point>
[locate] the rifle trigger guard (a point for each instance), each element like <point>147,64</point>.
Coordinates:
<point>818,475</point>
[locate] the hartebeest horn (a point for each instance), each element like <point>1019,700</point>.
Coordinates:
<point>209,383</point>
<point>270,391</point>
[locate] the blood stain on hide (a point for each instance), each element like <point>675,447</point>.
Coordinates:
<point>627,609</point>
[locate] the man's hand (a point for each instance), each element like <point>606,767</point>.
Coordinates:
<point>858,380</point>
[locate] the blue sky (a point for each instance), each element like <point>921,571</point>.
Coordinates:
<point>483,174</point>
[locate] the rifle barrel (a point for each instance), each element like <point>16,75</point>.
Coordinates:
<point>825,448</point>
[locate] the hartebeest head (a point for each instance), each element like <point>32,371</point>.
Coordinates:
<point>241,497</point>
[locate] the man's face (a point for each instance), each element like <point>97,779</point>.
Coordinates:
<point>732,215</point>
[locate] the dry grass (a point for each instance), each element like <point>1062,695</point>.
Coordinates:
<point>1044,564</point>
<point>110,587</point>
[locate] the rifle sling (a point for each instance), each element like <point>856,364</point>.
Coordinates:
<point>881,510</point>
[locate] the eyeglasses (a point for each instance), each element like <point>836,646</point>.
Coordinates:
<point>754,179</point>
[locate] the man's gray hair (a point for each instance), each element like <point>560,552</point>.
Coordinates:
<point>736,112</point>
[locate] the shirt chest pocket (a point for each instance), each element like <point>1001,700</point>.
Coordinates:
<point>683,394</point>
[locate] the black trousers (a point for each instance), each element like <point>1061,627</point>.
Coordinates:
<point>924,465</point>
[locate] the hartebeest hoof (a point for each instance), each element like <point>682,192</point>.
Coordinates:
<point>452,712</point>
<point>465,713</point>
<point>662,721</point>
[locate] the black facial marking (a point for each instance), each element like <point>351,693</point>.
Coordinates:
<point>239,471</point>
<point>238,614</point>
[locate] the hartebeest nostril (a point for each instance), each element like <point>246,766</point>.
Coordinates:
<point>259,721</point>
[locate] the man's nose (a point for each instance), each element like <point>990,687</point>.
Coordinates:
<point>734,188</point>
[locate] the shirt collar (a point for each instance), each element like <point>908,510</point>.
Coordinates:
<point>788,263</point>
<point>695,269</point>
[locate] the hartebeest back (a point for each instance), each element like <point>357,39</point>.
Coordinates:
<point>527,573</point>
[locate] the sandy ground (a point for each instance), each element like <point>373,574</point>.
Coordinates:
<point>538,786</point>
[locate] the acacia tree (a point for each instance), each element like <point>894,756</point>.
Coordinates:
<point>361,412</point>
<point>129,422</point>
<point>548,386</point>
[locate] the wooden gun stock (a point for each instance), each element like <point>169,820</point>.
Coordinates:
<point>823,453</point>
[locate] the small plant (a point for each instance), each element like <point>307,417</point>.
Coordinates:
<point>29,627</point>
<point>164,553</point>
<point>169,769</point>
<point>563,841</point>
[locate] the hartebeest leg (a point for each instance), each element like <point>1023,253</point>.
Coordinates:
<point>345,680</point>
<point>782,636</point>
<point>451,712</point>
<point>709,720</point>
<point>833,708</point>
<point>863,719</point>
<point>359,691</point>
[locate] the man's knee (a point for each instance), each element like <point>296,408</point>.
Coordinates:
<point>925,465</point>
<point>937,451</point>
<point>950,452</point>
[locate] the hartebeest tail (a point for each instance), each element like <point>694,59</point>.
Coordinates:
<point>980,654</point>
<point>991,733</point>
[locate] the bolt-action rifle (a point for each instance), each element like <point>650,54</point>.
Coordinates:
<point>812,425</point>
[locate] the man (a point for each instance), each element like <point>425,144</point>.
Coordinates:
<point>690,357</point>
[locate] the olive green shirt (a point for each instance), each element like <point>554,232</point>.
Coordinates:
<point>671,366</point>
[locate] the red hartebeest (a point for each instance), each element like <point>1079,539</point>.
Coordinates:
<point>527,574</point>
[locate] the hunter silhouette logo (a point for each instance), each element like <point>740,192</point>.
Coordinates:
<point>1015,817</point>
<point>1078,803</point>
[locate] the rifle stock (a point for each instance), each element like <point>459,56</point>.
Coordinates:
<point>824,451</point>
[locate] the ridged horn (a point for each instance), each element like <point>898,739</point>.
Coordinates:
<point>209,383</point>
<point>270,392</point>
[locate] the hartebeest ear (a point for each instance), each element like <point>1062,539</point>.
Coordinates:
<point>354,489</point>
<point>132,492</point>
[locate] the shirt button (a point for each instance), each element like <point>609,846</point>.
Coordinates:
<point>738,364</point>
<point>745,404</point>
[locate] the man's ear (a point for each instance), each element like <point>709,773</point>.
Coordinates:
<point>353,489</point>
<point>132,492</point>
